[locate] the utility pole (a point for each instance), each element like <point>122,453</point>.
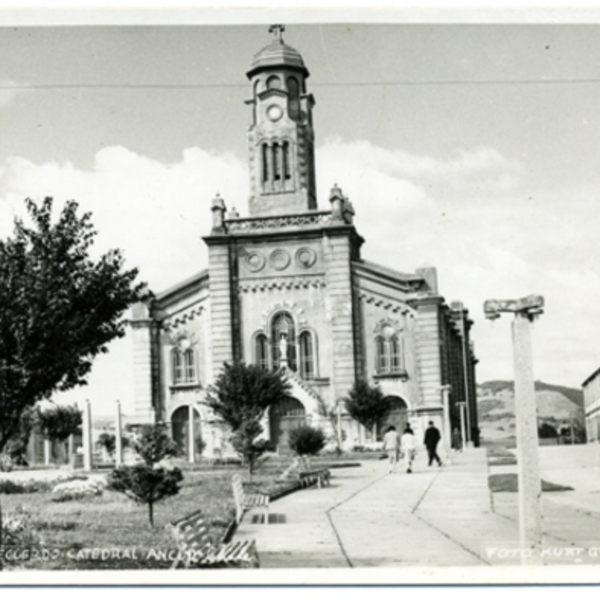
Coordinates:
<point>525,310</point>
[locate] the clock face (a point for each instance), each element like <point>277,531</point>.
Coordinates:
<point>274,112</point>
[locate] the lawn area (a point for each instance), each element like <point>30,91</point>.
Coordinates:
<point>113,523</point>
<point>508,482</point>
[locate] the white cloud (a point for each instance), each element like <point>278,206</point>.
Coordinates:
<point>471,215</point>
<point>155,212</point>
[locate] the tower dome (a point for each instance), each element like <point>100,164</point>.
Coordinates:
<point>277,55</point>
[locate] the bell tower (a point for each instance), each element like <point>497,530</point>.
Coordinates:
<point>280,136</point>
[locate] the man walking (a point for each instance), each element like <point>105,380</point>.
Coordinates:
<point>432,438</point>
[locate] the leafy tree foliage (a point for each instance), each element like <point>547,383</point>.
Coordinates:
<point>240,396</point>
<point>108,441</point>
<point>306,440</point>
<point>331,414</point>
<point>58,422</point>
<point>243,392</point>
<point>148,483</point>
<point>60,308</point>
<point>245,443</point>
<point>153,443</point>
<point>367,404</point>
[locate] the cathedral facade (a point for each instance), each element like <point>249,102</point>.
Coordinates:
<point>286,288</point>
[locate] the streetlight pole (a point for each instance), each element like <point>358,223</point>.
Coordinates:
<point>525,310</point>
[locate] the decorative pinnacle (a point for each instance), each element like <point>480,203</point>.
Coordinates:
<point>277,29</point>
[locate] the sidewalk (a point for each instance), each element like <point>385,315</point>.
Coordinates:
<point>434,517</point>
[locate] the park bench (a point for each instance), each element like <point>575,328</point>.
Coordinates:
<point>310,475</point>
<point>196,549</point>
<point>245,501</point>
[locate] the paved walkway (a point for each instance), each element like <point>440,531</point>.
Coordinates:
<point>434,517</point>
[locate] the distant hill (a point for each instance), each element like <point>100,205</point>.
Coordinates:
<point>556,406</point>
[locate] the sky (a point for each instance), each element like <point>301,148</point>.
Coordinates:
<point>469,147</point>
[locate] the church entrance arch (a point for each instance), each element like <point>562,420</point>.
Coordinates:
<point>398,417</point>
<point>180,428</point>
<point>284,416</point>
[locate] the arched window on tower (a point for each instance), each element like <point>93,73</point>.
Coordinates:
<point>273,83</point>
<point>307,355</point>
<point>262,352</point>
<point>287,169</point>
<point>283,328</point>
<point>276,162</point>
<point>293,98</point>
<point>265,163</point>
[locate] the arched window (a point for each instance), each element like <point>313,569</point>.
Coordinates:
<point>273,83</point>
<point>388,354</point>
<point>293,98</point>
<point>262,352</point>
<point>177,366</point>
<point>265,162</point>
<point>183,366</point>
<point>283,329</point>
<point>276,162</point>
<point>287,169</point>
<point>394,354</point>
<point>190,365</point>
<point>382,358</point>
<point>307,355</point>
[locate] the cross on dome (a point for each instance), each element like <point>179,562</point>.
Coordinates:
<point>277,29</point>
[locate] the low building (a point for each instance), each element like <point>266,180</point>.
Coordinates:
<point>591,406</point>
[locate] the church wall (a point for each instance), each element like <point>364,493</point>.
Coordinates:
<point>374,317</point>
<point>339,312</point>
<point>429,364</point>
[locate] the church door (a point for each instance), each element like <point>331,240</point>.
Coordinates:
<point>283,417</point>
<point>180,427</point>
<point>398,417</point>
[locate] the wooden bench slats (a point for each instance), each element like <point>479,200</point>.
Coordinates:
<point>245,501</point>
<point>194,543</point>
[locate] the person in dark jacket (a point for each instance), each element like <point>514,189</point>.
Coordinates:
<point>432,438</point>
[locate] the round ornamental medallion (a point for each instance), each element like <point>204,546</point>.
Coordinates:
<point>255,261</point>
<point>305,257</point>
<point>280,259</point>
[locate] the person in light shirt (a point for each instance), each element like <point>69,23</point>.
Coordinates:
<point>391,445</point>
<point>408,447</point>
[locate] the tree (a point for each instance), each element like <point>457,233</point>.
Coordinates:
<point>240,396</point>
<point>332,415</point>
<point>108,441</point>
<point>58,422</point>
<point>153,444</point>
<point>367,404</point>
<point>147,482</point>
<point>244,441</point>
<point>306,440</point>
<point>60,308</point>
